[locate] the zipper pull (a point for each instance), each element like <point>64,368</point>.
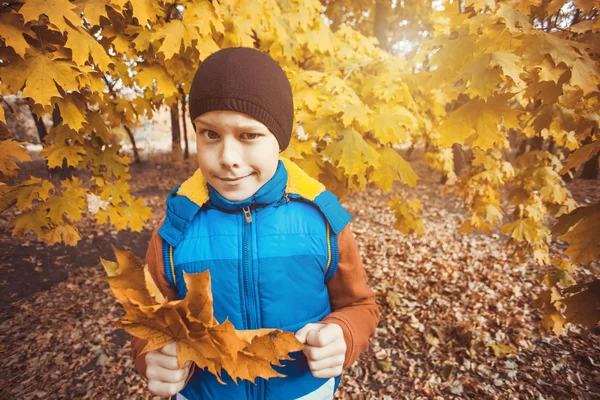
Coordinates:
<point>287,198</point>
<point>247,214</point>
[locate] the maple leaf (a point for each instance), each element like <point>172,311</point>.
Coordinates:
<point>191,324</point>
<point>149,73</point>
<point>352,153</point>
<point>56,10</point>
<point>408,215</point>
<point>476,122</point>
<point>175,34</point>
<point>31,220</point>
<point>390,127</point>
<point>144,10</point>
<point>62,233</point>
<point>391,169</point>
<point>513,18</point>
<point>583,307</point>
<point>71,201</point>
<point>70,111</point>
<point>82,44</point>
<point>42,72</point>
<point>9,150</point>
<point>580,156</point>
<point>581,228</point>
<point>56,153</point>
<point>92,10</point>
<point>522,229</point>
<point>32,189</point>
<point>586,75</point>
<point>12,30</point>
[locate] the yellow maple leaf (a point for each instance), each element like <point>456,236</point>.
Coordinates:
<point>149,73</point>
<point>12,30</point>
<point>92,10</point>
<point>513,18</point>
<point>82,44</point>
<point>476,122</point>
<point>522,229</point>
<point>70,111</point>
<point>408,215</point>
<point>391,127</point>
<point>56,153</point>
<point>586,75</point>
<point>392,167</point>
<point>582,230</point>
<point>25,193</point>
<point>42,72</point>
<point>56,10</point>
<point>352,153</point>
<point>144,10</point>
<point>31,220</point>
<point>64,233</point>
<point>355,112</point>
<point>9,150</point>
<point>70,202</point>
<point>580,156</point>
<point>175,34</point>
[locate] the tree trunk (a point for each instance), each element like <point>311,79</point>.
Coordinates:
<point>136,155</point>
<point>175,133</point>
<point>186,151</point>
<point>381,23</point>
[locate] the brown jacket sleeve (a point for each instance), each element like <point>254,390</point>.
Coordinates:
<point>352,302</point>
<point>154,259</point>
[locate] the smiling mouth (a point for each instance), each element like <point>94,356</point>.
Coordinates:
<point>233,179</point>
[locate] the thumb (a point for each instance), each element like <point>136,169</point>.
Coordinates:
<point>302,334</point>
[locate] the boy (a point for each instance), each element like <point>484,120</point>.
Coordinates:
<point>277,245</point>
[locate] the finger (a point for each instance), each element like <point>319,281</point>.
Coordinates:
<point>159,388</point>
<point>303,332</point>
<point>320,353</point>
<point>324,336</point>
<point>162,361</point>
<point>167,375</point>
<point>328,372</point>
<point>170,349</point>
<point>330,362</point>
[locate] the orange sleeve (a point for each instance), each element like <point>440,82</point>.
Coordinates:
<point>352,302</point>
<point>154,259</point>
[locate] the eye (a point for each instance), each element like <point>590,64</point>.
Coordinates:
<point>211,135</point>
<point>250,136</point>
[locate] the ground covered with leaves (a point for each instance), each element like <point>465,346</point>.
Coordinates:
<point>457,316</point>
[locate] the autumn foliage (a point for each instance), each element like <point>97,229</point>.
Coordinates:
<point>486,77</point>
<point>190,323</point>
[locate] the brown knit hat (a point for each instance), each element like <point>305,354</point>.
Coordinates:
<point>245,80</point>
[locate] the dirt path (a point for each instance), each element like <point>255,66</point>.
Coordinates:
<point>448,303</point>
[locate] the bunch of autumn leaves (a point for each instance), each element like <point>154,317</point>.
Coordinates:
<point>243,354</point>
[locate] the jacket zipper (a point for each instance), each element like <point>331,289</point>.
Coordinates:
<point>249,284</point>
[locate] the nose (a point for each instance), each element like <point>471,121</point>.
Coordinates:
<point>230,154</point>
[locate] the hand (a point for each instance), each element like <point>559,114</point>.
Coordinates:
<point>324,348</point>
<point>165,378</point>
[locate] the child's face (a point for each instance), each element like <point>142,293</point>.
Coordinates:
<point>236,153</point>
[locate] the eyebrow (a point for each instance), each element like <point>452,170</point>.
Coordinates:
<point>244,127</point>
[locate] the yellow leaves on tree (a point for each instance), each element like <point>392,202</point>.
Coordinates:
<point>190,323</point>
<point>9,150</point>
<point>581,228</point>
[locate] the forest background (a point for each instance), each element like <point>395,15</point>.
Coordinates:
<point>471,127</point>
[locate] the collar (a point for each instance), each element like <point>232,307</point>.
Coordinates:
<point>269,193</point>
<point>288,178</point>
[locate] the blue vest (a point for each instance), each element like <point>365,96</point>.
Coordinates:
<point>269,257</point>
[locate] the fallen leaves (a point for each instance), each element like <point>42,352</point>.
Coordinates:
<point>191,324</point>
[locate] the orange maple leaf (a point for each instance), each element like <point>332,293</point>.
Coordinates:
<point>243,354</point>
